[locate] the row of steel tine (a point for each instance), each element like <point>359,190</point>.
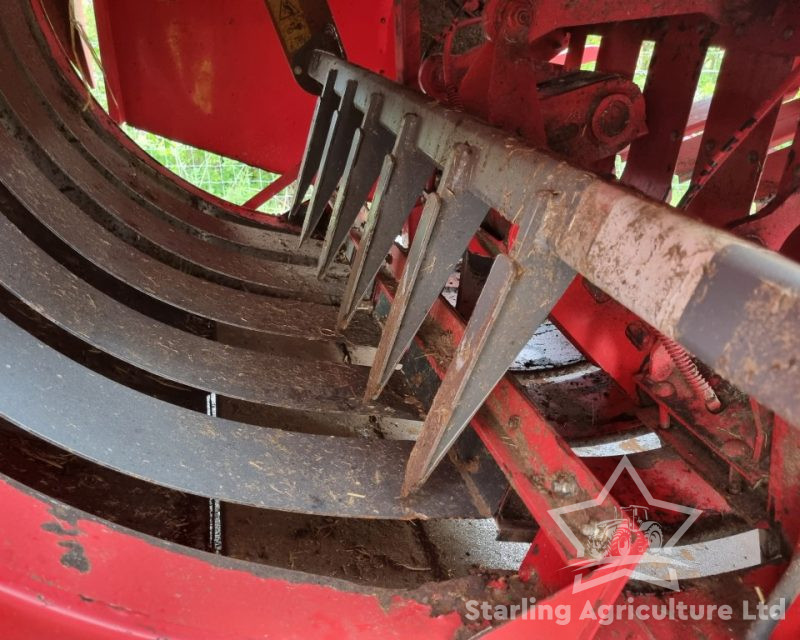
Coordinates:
<point>353,151</point>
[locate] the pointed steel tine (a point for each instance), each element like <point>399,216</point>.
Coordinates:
<point>371,143</point>
<point>344,124</point>
<point>402,180</point>
<point>327,103</point>
<point>516,299</point>
<point>449,221</point>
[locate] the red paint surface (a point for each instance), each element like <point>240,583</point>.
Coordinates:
<point>213,74</point>
<point>136,587</point>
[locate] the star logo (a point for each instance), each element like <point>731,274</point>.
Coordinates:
<point>611,541</point>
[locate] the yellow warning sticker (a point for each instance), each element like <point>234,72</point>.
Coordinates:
<point>291,23</point>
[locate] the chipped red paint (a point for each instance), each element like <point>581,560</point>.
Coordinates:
<point>134,586</point>
<point>92,580</point>
<point>227,64</point>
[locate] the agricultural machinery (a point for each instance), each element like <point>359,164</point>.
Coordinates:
<point>540,260</point>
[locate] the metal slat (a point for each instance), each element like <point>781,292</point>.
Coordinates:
<point>42,391</point>
<point>64,299</point>
<point>155,279</point>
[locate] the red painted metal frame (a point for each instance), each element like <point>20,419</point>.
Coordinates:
<point>62,58</point>
<point>91,580</point>
<point>67,574</point>
<point>523,443</point>
<point>207,73</point>
<point>277,185</point>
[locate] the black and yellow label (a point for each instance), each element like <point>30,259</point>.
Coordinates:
<point>291,24</point>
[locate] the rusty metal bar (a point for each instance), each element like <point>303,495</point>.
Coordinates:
<point>343,125</point>
<point>189,451</point>
<point>677,274</point>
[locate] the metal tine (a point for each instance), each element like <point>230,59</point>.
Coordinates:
<point>344,124</point>
<point>402,179</point>
<point>449,221</point>
<point>516,299</point>
<point>327,103</point>
<point>371,143</point>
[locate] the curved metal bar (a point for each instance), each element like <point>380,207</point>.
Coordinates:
<point>63,298</point>
<point>84,185</point>
<point>56,399</point>
<point>153,278</point>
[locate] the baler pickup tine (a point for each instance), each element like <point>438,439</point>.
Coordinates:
<point>663,266</point>
<point>514,302</point>
<point>371,143</point>
<point>403,176</point>
<point>344,124</point>
<point>450,219</point>
<point>327,103</point>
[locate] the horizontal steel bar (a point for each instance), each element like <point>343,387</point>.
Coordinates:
<point>102,322</point>
<point>159,281</point>
<point>658,263</point>
<point>49,395</point>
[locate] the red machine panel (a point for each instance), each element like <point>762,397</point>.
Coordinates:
<point>205,72</point>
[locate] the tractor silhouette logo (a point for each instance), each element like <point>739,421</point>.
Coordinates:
<point>632,544</point>
<point>616,537</point>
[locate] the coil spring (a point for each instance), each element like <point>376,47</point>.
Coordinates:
<point>684,364</point>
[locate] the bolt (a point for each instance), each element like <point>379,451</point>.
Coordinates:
<point>564,486</point>
<point>611,118</point>
<point>663,389</point>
